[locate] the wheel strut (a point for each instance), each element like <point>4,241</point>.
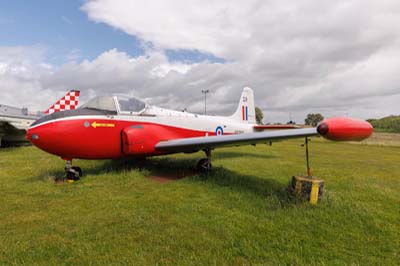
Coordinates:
<point>208,154</point>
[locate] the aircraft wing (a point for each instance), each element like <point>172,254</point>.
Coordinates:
<point>270,127</point>
<point>12,126</point>
<point>17,125</point>
<point>199,143</point>
<point>10,133</point>
<point>337,129</point>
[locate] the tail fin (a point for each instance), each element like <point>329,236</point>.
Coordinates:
<point>68,102</point>
<point>246,110</point>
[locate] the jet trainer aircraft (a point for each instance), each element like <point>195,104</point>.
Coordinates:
<point>110,127</point>
<point>14,122</point>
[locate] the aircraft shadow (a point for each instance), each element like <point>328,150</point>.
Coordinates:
<point>166,169</point>
<point>156,165</point>
<point>171,169</point>
<point>233,154</point>
<point>263,187</point>
<point>152,165</point>
<point>165,165</point>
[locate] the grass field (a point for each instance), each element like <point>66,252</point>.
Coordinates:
<point>240,214</point>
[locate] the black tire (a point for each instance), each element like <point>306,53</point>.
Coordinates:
<point>77,170</point>
<point>74,173</point>
<point>72,176</point>
<point>203,165</point>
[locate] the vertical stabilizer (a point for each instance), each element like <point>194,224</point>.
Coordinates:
<point>68,102</point>
<point>245,112</point>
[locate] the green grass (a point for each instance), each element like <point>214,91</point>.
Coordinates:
<point>240,214</point>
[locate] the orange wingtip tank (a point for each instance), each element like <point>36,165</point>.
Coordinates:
<point>345,129</point>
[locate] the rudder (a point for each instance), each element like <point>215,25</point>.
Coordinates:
<point>245,111</point>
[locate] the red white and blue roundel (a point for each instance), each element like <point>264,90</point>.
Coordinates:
<point>219,131</point>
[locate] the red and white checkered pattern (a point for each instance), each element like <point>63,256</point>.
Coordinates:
<point>68,102</point>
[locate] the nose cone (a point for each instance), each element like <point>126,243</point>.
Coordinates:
<point>345,129</point>
<point>28,135</point>
<point>45,137</point>
<point>42,134</point>
<point>33,135</point>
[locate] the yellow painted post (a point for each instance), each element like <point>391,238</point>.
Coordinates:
<point>314,193</point>
<point>307,187</point>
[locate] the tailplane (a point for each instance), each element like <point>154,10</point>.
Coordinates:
<point>245,112</point>
<point>68,102</point>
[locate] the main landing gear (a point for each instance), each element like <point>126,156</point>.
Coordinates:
<point>73,173</point>
<point>204,164</point>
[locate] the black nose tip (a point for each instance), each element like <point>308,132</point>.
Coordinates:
<point>323,129</point>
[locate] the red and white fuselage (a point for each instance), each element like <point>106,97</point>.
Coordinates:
<point>108,129</point>
<point>112,127</point>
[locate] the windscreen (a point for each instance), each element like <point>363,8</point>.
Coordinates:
<point>101,103</point>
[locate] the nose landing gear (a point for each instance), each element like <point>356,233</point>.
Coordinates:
<point>73,173</point>
<point>204,164</point>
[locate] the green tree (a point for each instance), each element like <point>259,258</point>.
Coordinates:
<point>259,116</point>
<point>313,119</point>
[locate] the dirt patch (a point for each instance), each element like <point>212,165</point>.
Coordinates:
<point>170,176</point>
<point>382,138</point>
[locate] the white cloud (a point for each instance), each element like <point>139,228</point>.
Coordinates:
<point>20,71</point>
<point>239,30</point>
<point>180,86</point>
<point>298,55</point>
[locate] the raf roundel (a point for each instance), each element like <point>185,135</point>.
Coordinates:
<point>219,131</point>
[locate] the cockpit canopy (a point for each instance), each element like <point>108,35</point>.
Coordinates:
<point>130,104</point>
<point>120,104</point>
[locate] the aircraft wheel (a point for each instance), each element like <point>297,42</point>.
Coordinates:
<point>77,170</point>
<point>204,165</point>
<point>74,174</point>
<point>71,176</point>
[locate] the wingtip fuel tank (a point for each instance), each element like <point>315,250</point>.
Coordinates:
<point>345,129</point>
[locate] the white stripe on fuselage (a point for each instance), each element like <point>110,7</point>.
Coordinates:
<point>172,118</point>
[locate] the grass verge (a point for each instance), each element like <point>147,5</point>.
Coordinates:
<point>239,214</point>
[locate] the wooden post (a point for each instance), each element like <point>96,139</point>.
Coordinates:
<point>308,159</point>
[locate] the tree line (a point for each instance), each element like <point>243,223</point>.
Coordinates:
<point>311,119</point>
<point>386,124</point>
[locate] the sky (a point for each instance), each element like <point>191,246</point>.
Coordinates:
<point>337,58</point>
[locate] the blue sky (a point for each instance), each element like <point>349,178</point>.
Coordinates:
<point>61,28</point>
<point>66,33</point>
